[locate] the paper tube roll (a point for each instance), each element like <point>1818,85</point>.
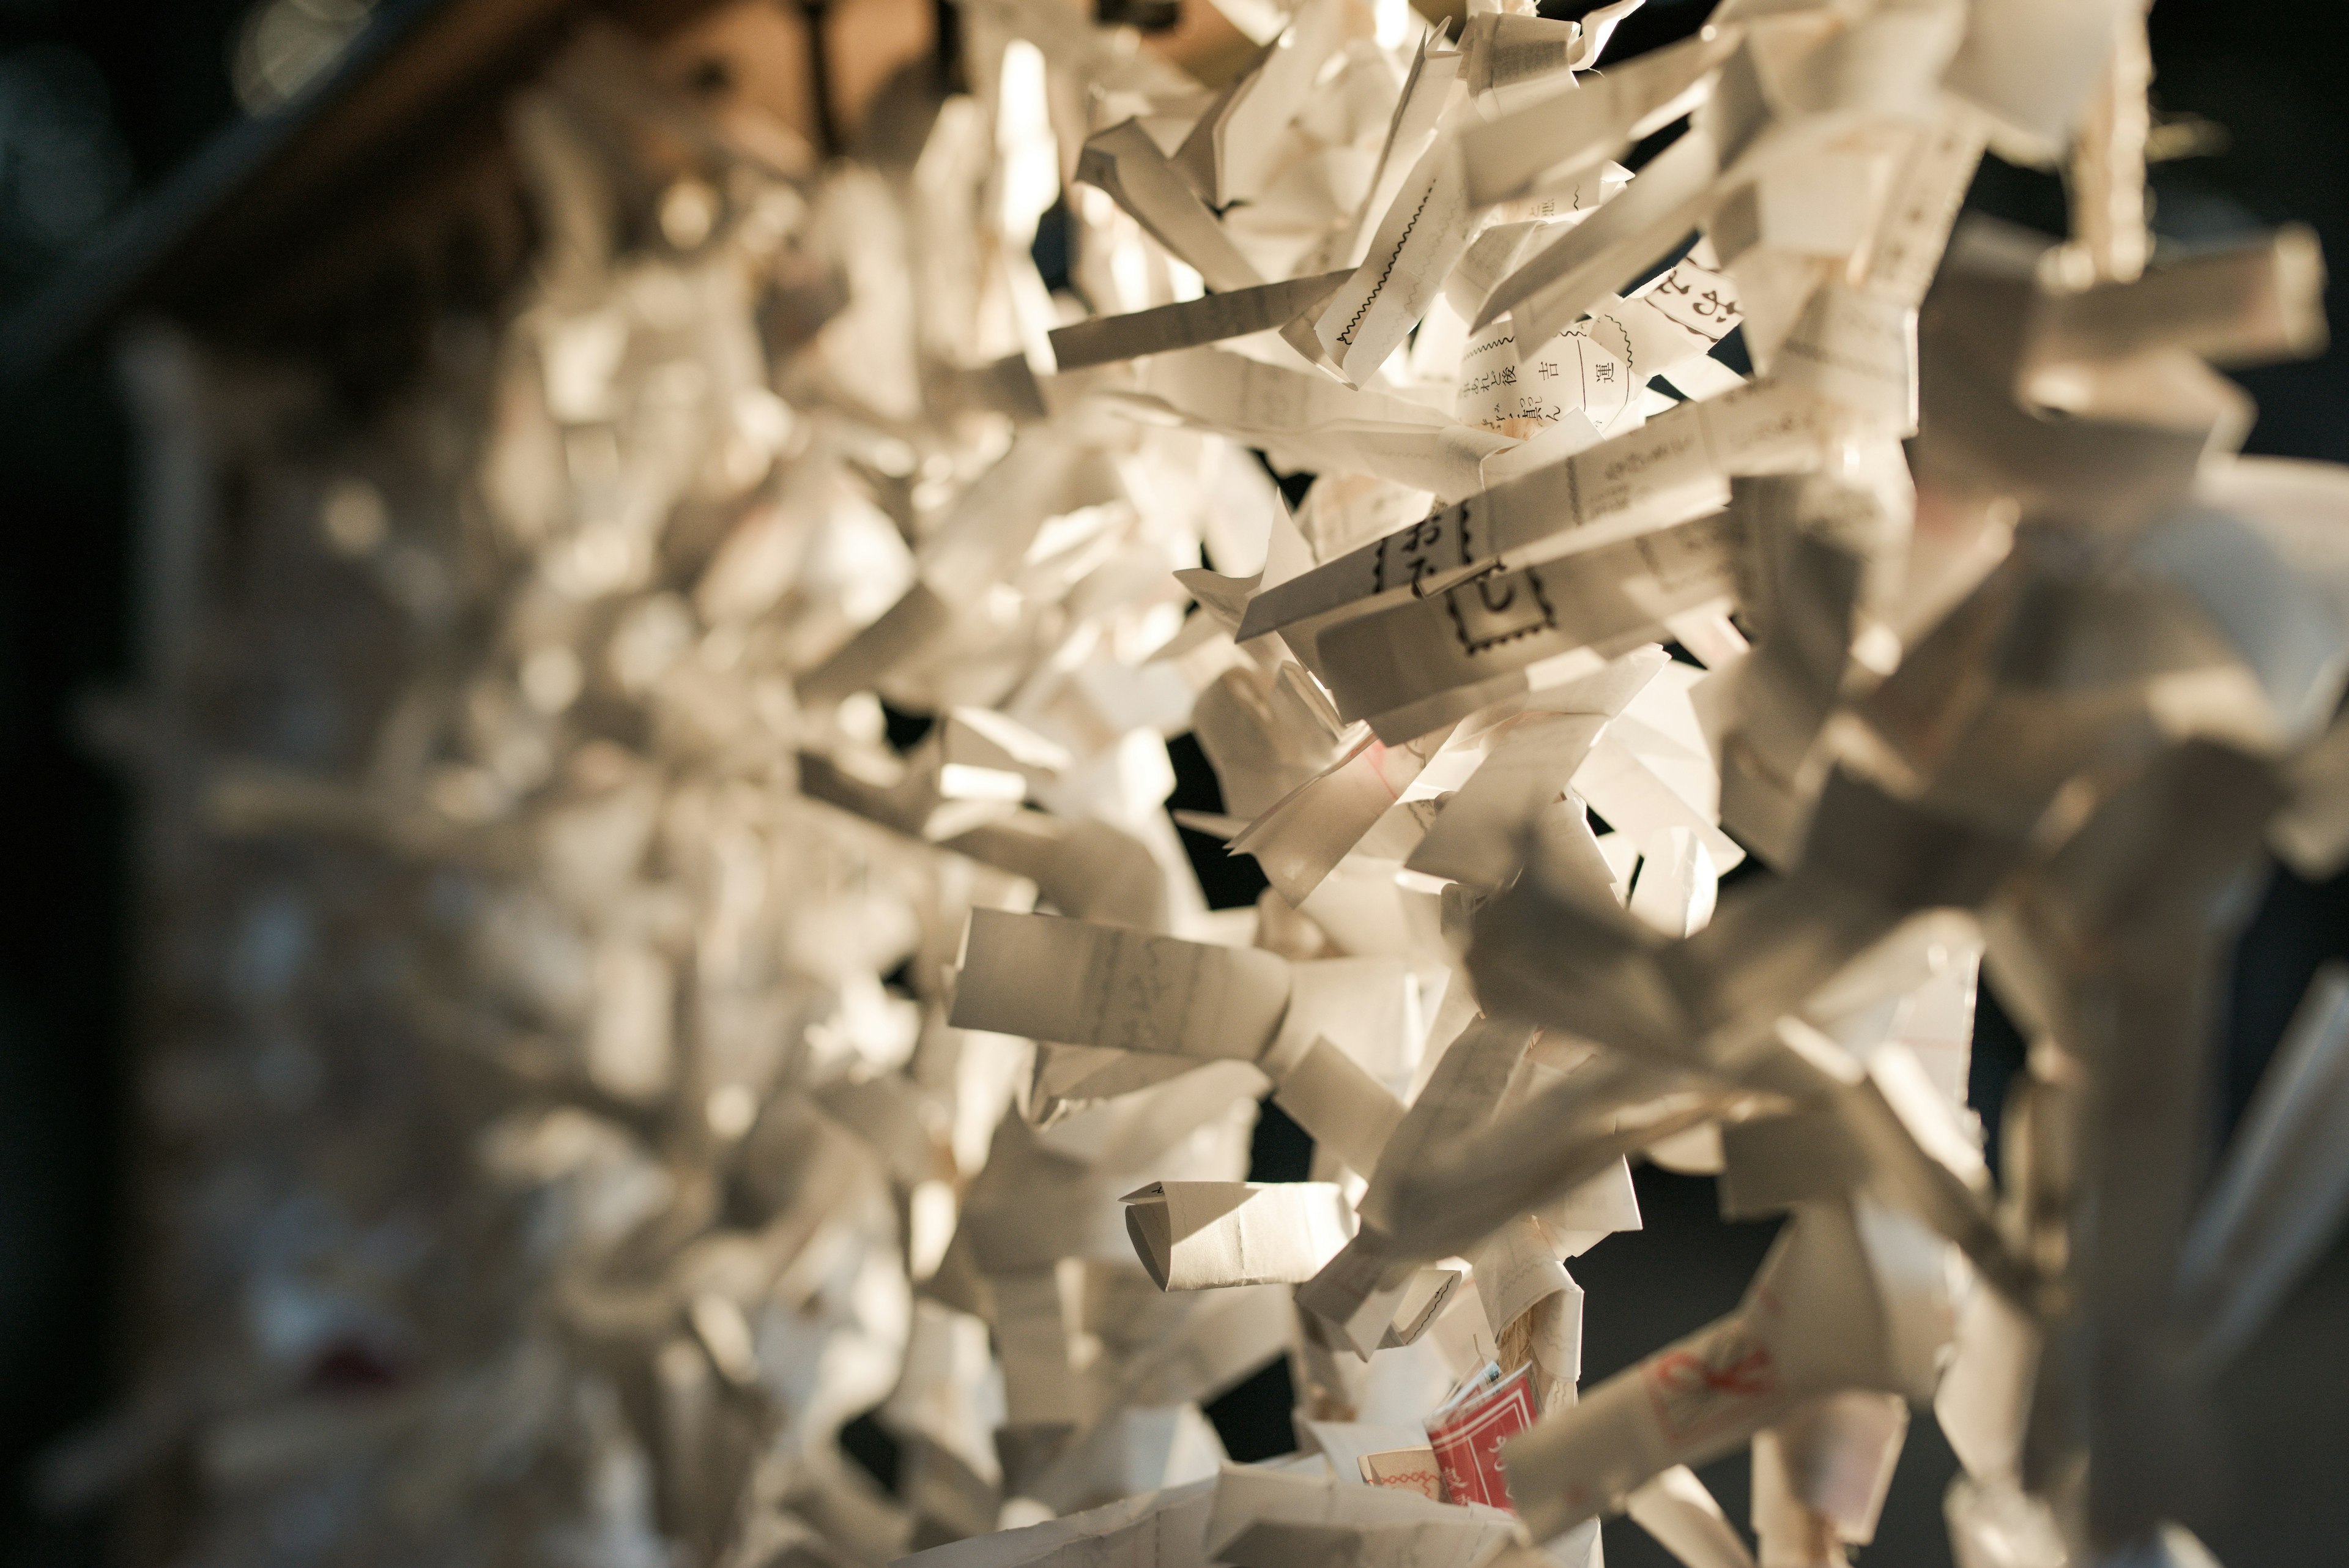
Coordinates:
<point>1202,1235</point>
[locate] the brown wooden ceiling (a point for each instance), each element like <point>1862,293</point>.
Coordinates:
<point>297,211</point>
<point>348,217</point>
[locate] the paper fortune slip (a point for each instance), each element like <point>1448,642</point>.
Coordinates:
<point>671,949</point>
<point>1407,1469</point>
<point>1465,1436</point>
<point>1192,1235</point>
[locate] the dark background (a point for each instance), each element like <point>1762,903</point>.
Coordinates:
<point>100,100</point>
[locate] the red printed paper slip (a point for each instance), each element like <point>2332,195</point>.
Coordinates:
<point>1707,1382</point>
<point>1467,1440</point>
<point>1405,1469</point>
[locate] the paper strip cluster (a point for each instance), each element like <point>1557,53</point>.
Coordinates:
<point>669,947</point>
